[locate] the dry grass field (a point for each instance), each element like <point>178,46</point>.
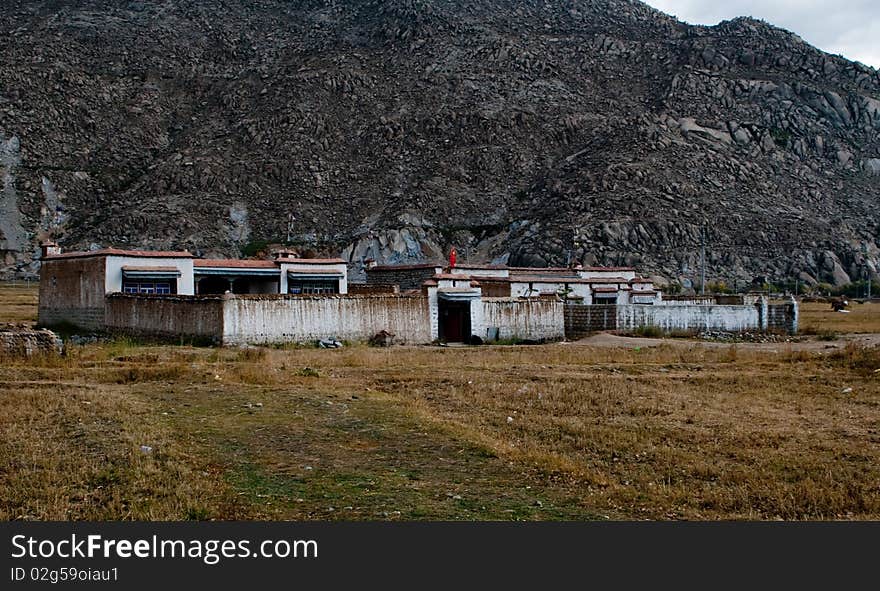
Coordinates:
<point>564,431</point>
<point>816,318</point>
<point>18,302</point>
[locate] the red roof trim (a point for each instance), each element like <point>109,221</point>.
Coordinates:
<point>116,252</point>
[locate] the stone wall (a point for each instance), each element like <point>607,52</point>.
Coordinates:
<point>26,342</point>
<point>166,315</point>
<point>523,319</point>
<point>783,317</point>
<point>581,320</point>
<point>405,277</point>
<point>279,319</point>
<point>373,289</point>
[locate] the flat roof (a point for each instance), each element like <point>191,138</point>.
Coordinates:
<point>314,271</point>
<point>116,252</point>
<point>151,269</point>
<point>498,268</point>
<point>404,267</point>
<point>311,261</point>
<point>545,269</point>
<point>483,267</point>
<point>235,263</point>
<point>548,279</point>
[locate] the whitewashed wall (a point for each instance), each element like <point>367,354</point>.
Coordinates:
<point>254,319</point>
<point>685,317</point>
<point>605,273</point>
<point>523,319</point>
<point>481,272</point>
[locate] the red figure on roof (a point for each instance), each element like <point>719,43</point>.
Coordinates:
<point>452,257</point>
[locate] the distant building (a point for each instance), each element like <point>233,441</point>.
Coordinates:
<point>290,299</point>
<point>592,285</point>
<point>73,284</point>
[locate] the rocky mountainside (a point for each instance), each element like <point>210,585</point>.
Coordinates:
<point>522,131</point>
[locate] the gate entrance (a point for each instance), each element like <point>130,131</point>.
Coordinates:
<point>455,321</point>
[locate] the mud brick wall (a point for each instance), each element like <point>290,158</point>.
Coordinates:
<point>166,315</point>
<point>72,291</point>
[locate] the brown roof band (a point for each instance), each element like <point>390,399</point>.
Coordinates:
<point>104,252</point>
<point>235,263</point>
<point>314,271</point>
<point>151,269</point>
<point>381,268</point>
<point>311,261</point>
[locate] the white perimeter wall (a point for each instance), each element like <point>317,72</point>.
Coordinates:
<point>523,319</point>
<point>685,317</point>
<point>302,318</point>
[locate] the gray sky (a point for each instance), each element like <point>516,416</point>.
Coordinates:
<point>847,27</point>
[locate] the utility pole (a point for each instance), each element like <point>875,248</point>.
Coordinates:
<point>703,257</point>
<point>867,268</point>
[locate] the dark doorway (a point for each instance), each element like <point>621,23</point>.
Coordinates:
<point>209,285</point>
<point>455,321</point>
<point>241,285</point>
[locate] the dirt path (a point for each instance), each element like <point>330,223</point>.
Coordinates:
<point>808,344</point>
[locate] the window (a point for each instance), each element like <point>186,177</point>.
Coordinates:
<point>311,287</point>
<point>146,287</point>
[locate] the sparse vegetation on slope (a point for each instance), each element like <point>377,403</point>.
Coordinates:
<point>593,130</point>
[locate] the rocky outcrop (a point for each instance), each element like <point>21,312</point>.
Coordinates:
<point>529,132</point>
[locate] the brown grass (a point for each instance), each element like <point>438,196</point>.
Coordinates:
<point>423,433</point>
<point>819,318</point>
<point>18,302</point>
<point>559,431</point>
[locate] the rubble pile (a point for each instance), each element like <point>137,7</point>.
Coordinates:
<point>745,337</point>
<point>22,341</point>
